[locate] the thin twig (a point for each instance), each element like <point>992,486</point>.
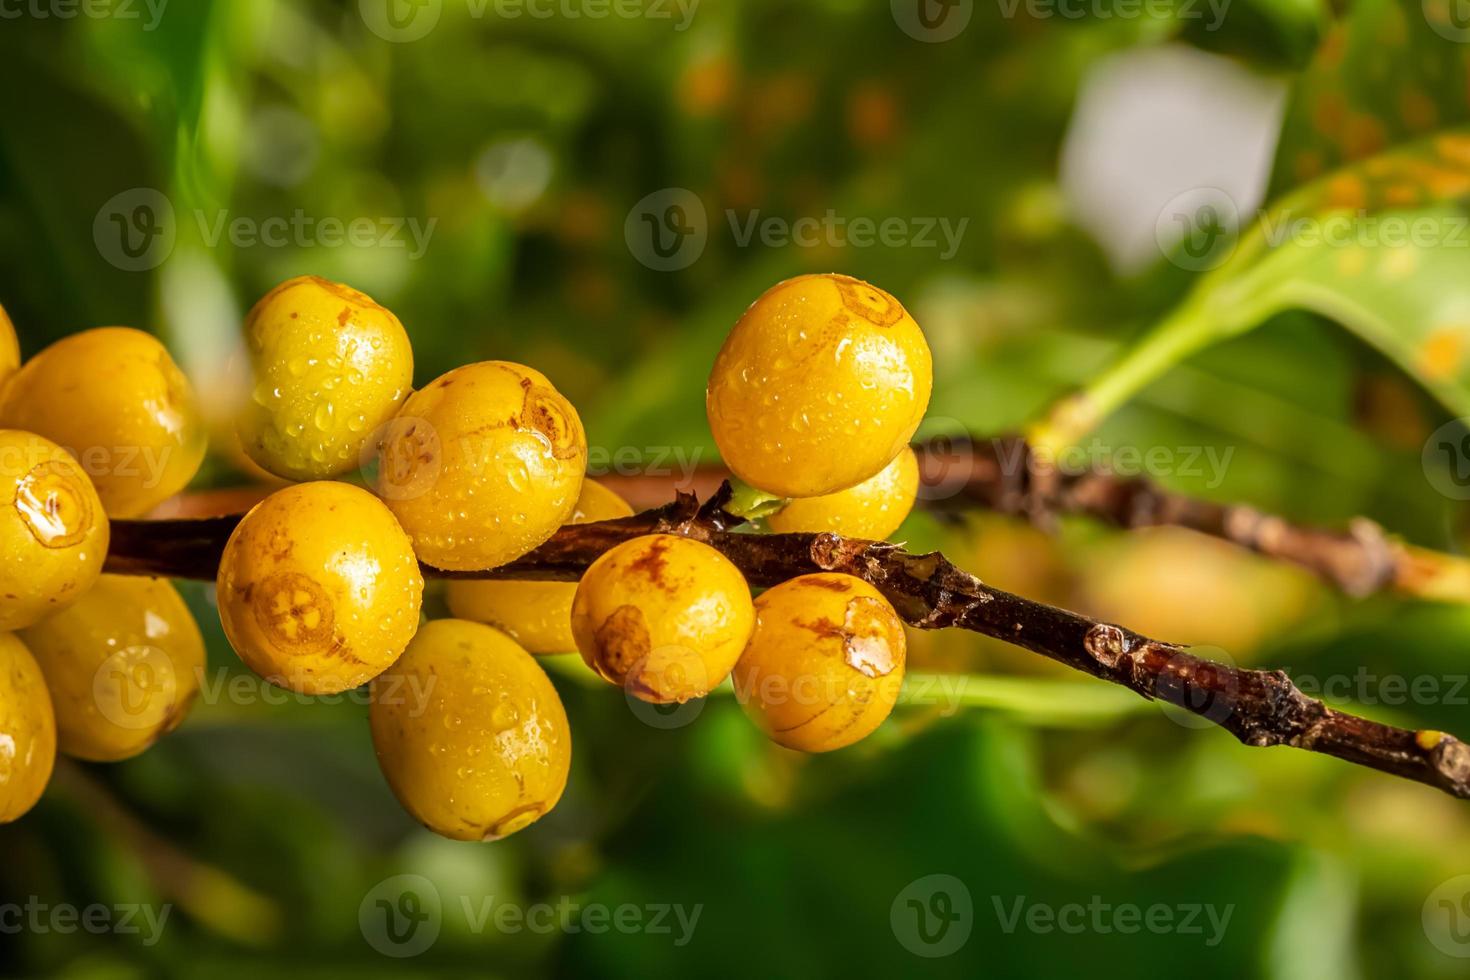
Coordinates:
<point>1259,707</point>
<point>1004,475</point>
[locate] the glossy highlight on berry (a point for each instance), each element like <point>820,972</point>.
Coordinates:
<point>114,399</point>
<point>53,531</point>
<point>329,365</point>
<point>27,730</point>
<point>820,384</point>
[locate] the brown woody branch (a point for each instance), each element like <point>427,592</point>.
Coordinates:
<point>1002,474</point>
<point>1259,707</point>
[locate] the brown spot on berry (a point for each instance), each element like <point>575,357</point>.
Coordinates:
<point>652,562</point>
<point>868,301</point>
<point>622,642</point>
<point>295,612</point>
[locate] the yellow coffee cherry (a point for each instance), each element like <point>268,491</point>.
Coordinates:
<point>662,616</point>
<point>470,733</point>
<point>115,399</point>
<point>873,509</point>
<point>27,730</point>
<point>329,366</point>
<point>825,663</point>
<point>537,615</point>
<point>483,465</point>
<point>819,385</point>
<point>318,588</point>
<point>9,347</point>
<point>123,665</point>
<point>53,532</point>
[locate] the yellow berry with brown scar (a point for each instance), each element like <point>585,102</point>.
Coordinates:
<point>663,616</point>
<point>53,531</point>
<point>319,590</point>
<point>482,465</point>
<point>825,662</point>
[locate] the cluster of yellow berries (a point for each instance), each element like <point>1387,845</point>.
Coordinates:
<point>814,399</point>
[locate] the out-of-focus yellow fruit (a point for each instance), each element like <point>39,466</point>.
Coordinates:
<point>825,663</point>
<point>114,399</point>
<point>470,733</point>
<point>123,665</point>
<point>537,615</point>
<point>53,532</point>
<point>483,465</point>
<point>1153,579</point>
<point>873,509</point>
<point>819,385</point>
<point>9,348</point>
<point>329,366</point>
<point>27,730</point>
<point>319,590</point>
<point>663,616</point>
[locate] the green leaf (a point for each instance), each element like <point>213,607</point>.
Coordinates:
<point>1377,245</point>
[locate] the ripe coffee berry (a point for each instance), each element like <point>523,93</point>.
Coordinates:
<point>873,509</point>
<point>819,385</point>
<point>663,616</point>
<point>27,730</point>
<point>318,588</point>
<point>328,367</point>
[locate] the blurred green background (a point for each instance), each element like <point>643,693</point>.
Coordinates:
<point>162,165</point>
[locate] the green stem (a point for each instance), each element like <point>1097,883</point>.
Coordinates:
<point>1188,328</point>
<point>750,503</point>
